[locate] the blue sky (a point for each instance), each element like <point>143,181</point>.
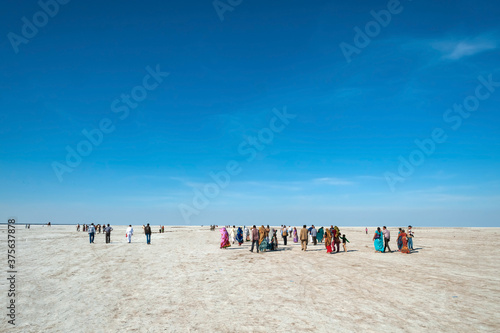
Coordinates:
<point>345,154</point>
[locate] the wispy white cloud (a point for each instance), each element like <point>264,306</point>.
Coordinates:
<point>289,186</point>
<point>369,177</point>
<point>440,175</point>
<point>187,182</point>
<point>458,49</point>
<point>333,181</point>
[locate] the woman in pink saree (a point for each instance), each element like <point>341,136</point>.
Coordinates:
<point>224,240</point>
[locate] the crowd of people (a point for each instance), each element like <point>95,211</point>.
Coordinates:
<point>266,238</point>
<point>93,229</point>
<point>381,240</point>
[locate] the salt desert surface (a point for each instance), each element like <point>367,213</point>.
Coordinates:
<point>183,282</point>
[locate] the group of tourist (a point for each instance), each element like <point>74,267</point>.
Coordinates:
<point>91,230</point>
<point>381,240</point>
<point>266,238</point>
<point>85,227</point>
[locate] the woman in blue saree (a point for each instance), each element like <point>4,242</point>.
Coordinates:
<point>239,236</point>
<point>378,241</point>
<point>400,240</point>
<point>320,234</point>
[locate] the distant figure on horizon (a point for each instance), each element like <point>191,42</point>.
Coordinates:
<point>91,233</point>
<point>129,233</point>
<point>366,230</point>
<point>387,238</point>
<point>108,230</point>
<point>77,227</point>
<point>378,243</point>
<point>303,238</point>
<point>147,231</point>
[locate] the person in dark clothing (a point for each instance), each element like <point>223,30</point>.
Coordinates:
<point>255,238</point>
<point>284,233</point>
<point>387,238</point>
<point>108,230</point>
<point>344,240</point>
<point>147,231</point>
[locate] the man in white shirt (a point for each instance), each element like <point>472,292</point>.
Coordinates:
<point>91,233</point>
<point>130,232</point>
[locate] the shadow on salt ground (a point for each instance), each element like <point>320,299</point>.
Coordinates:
<point>279,249</point>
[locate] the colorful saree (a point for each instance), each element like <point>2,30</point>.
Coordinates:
<point>379,241</point>
<point>239,236</point>
<point>224,240</point>
<point>319,236</point>
<point>262,234</point>
<point>404,241</point>
<point>295,236</point>
<point>328,241</point>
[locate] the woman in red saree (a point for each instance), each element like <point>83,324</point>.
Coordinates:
<point>328,240</point>
<point>224,240</point>
<point>404,248</point>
